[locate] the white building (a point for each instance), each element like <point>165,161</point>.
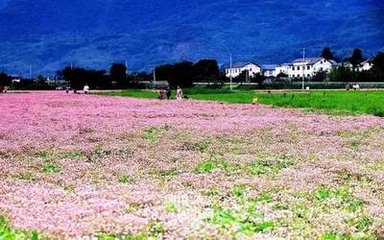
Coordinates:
<point>365,66</point>
<point>237,69</point>
<point>269,70</point>
<point>309,67</point>
<point>282,69</point>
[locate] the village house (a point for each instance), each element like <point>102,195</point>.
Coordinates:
<point>309,67</point>
<point>365,66</point>
<point>237,69</point>
<point>269,70</point>
<point>282,69</point>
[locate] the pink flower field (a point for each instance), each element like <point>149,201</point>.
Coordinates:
<point>97,167</point>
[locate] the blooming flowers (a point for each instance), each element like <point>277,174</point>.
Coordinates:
<point>77,166</point>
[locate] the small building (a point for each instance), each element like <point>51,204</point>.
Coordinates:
<point>237,69</point>
<point>309,67</point>
<point>282,69</point>
<point>269,70</point>
<point>365,66</point>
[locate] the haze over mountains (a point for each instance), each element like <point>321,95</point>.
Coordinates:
<point>51,34</point>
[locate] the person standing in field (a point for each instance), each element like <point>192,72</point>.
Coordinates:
<point>179,93</point>
<point>86,89</point>
<point>169,93</point>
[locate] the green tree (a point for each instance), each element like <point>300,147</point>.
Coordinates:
<point>179,74</point>
<point>41,80</point>
<point>320,76</point>
<point>5,80</point>
<point>357,58</point>
<point>78,77</point>
<point>259,78</point>
<point>206,70</point>
<point>183,74</point>
<point>118,74</point>
<point>378,62</point>
<point>342,74</point>
<point>242,77</point>
<point>327,54</point>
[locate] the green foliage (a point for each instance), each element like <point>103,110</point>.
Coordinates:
<point>378,62</point>
<point>335,236</point>
<point>153,133</point>
<point>210,165</point>
<point>8,233</point>
<point>238,191</point>
<point>5,80</point>
<point>125,179</point>
<point>118,74</point>
<point>28,176</point>
<point>154,230</point>
<point>205,167</point>
<point>265,197</point>
<point>206,70</point>
<point>320,76</point>
<point>50,167</point>
<point>356,58</point>
<point>133,207</point>
<point>196,146</point>
<point>45,155</point>
<point>247,223</point>
<point>362,224</point>
<point>211,192</point>
<point>327,53</point>
<point>78,77</point>
<point>265,165</point>
<point>171,207</point>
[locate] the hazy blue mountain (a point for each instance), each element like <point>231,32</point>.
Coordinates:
<point>50,34</point>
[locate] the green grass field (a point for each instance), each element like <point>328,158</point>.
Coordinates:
<point>331,102</point>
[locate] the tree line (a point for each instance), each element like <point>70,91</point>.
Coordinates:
<point>185,73</point>
<point>345,73</point>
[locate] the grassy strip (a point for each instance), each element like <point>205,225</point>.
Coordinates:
<point>332,102</point>
<point>135,93</point>
<point>360,102</point>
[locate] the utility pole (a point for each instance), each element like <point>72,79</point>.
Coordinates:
<point>230,72</point>
<point>303,77</point>
<point>154,77</point>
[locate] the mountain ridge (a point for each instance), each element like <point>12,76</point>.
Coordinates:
<point>49,35</point>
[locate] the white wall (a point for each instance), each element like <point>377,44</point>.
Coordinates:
<point>252,68</point>
<point>282,69</point>
<point>310,69</point>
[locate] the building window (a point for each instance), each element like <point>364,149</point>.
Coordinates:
<point>308,67</point>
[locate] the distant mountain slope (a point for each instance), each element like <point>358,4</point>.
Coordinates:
<point>49,34</point>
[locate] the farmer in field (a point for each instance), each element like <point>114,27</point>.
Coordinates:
<point>169,92</point>
<point>179,93</point>
<point>162,94</point>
